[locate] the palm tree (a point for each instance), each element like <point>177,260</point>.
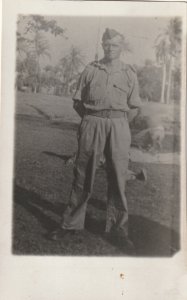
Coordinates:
<point>22,45</point>
<point>33,42</point>
<point>54,78</point>
<point>167,46</point>
<point>39,48</point>
<point>22,48</point>
<point>174,33</point>
<point>162,47</point>
<point>71,65</point>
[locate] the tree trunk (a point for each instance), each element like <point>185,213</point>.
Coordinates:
<point>162,99</point>
<point>66,88</point>
<point>38,75</point>
<point>169,80</point>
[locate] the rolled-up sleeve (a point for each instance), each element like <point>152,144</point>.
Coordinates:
<point>134,100</point>
<point>81,85</point>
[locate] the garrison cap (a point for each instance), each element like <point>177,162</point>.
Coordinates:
<point>110,33</point>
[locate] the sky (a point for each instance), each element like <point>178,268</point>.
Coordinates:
<point>85,32</point>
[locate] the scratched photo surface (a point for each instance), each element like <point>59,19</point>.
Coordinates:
<point>51,54</point>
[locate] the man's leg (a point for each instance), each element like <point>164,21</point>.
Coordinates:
<point>117,166</point>
<point>90,146</point>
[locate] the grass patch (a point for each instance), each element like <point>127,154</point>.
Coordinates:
<point>42,184</point>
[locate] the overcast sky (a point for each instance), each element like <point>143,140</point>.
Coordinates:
<point>83,33</point>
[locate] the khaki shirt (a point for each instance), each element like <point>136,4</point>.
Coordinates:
<point>117,89</point>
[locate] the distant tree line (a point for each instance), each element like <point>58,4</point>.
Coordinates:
<point>159,81</point>
<point>32,46</point>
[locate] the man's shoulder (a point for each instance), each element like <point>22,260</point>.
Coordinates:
<point>92,64</point>
<point>89,68</point>
<point>129,70</point>
<point>97,64</point>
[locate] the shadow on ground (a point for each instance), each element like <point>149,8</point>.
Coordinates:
<point>40,112</point>
<point>150,238</point>
<point>36,207</point>
<point>64,157</point>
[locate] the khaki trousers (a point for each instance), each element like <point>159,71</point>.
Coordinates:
<point>98,136</point>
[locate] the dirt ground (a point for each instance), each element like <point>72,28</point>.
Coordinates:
<point>42,184</point>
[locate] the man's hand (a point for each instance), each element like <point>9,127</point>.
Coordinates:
<point>140,109</point>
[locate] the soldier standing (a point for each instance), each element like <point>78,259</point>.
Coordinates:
<point>106,90</point>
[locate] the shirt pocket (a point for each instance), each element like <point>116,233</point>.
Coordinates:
<point>120,93</point>
<point>97,92</point>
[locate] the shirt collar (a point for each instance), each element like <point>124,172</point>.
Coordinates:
<point>117,68</point>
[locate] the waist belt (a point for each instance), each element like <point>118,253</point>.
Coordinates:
<point>107,113</point>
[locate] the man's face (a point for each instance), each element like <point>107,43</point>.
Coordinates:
<point>112,48</point>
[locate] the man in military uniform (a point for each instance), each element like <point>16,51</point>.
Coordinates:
<point>106,90</point>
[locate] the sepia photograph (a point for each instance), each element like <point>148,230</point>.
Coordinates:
<point>92,150</point>
<point>97,136</point>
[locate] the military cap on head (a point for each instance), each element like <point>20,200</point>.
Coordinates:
<point>110,33</point>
